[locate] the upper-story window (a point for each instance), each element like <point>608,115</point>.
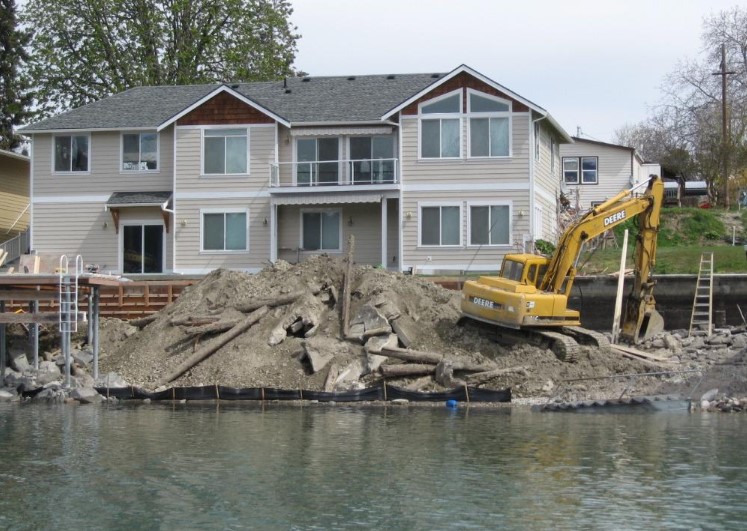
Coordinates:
<point>440,127</point>
<point>72,153</point>
<point>140,151</point>
<point>585,168</point>
<point>318,161</point>
<point>372,159</point>
<point>226,152</point>
<point>489,125</point>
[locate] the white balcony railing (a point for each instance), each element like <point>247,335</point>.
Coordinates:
<point>334,173</point>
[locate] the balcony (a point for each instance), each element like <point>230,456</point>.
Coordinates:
<point>335,173</point>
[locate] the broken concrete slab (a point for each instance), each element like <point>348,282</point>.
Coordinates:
<point>405,329</point>
<point>376,343</point>
<point>370,317</point>
<point>319,351</point>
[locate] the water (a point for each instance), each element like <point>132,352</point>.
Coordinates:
<point>332,467</point>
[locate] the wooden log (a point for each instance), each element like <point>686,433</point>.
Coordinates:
<point>219,342</point>
<point>406,369</point>
<point>272,303</point>
<point>481,377</point>
<point>142,322</point>
<point>211,328</point>
<point>347,288</point>
<point>198,320</point>
<point>411,355</point>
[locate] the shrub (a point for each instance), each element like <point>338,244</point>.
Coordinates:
<point>544,247</point>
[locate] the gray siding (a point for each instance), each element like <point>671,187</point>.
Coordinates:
<point>614,172</point>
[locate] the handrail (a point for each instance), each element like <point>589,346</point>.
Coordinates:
<point>336,172</point>
<point>19,217</point>
<point>16,246</point>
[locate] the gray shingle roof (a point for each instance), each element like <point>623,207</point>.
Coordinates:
<point>138,198</point>
<point>312,99</point>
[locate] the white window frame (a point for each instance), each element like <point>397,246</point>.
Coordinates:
<point>351,160</point>
<point>496,114</point>
<point>223,211</point>
<point>121,151</point>
<point>141,222</point>
<point>578,171</point>
<point>320,211</point>
<point>471,204</point>
<point>71,172</point>
<point>430,204</point>
<point>202,151</point>
<point>296,162</point>
<point>537,140</point>
<point>441,116</point>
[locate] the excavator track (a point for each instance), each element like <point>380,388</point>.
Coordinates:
<point>588,337</point>
<point>563,346</point>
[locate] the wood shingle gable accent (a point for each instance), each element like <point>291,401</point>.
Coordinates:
<point>464,81</point>
<point>224,109</point>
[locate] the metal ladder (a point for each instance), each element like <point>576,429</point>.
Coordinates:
<point>702,316</point>
<point>68,314</point>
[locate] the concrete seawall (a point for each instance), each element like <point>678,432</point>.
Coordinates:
<point>594,297</point>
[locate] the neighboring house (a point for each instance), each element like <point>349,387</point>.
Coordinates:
<point>14,194</point>
<point>595,171</point>
<point>429,172</point>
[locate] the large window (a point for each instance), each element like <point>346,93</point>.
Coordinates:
<point>489,224</point>
<point>585,168</point>
<point>226,152</point>
<point>440,127</point>
<point>318,161</point>
<point>224,231</point>
<point>372,159</point>
<point>140,151</point>
<point>71,153</point>
<point>320,230</point>
<point>440,225</point>
<point>489,126</point>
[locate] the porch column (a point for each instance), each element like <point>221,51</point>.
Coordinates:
<point>273,233</point>
<point>384,231</point>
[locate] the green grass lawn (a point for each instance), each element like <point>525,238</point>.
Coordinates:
<point>669,260</point>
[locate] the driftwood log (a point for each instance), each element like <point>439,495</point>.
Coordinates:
<point>195,320</point>
<point>272,303</point>
<point>481,377</point>
<point>347,288</point>
<point>406,354</point>
<point>406,369</point>
<point>142,322</point>
<point>211,328</point>
<point>220,341</point>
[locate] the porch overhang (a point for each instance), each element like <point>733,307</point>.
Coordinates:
<point>328,198</point>
<point>119,200</point>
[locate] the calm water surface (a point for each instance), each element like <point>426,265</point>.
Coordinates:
<point>333,467</point>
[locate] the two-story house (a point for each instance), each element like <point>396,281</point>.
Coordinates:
<point>429,172</point>
<point>14,194</point>
<point>594,171</point>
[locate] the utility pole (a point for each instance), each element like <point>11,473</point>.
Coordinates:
<point>724,136</point>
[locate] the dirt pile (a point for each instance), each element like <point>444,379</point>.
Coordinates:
<point>300,344</point>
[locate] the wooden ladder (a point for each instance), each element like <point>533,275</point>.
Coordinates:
<point>702,316</point>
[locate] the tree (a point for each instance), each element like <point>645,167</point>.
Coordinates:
<point>683,132</point>
<point>84,50</point>
<point>15,98</point>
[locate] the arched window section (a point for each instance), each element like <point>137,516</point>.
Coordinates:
<point>441,126</point>
<point>489,125</point>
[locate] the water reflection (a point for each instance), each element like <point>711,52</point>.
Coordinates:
<point>321,466</point>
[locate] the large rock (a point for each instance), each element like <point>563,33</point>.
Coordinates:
<point>82,357</point>
<point>370,318</point>
<point>111,380</point>
<point>18,360</point>
<point>405,328</point>
<point>319,351</point>
<point>6,396</point>
<point>86,395</point>
<point>48,372</point>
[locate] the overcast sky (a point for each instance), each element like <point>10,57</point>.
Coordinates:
<point>593,64</point>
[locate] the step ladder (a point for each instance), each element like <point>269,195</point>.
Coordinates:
<point>702,316</point>
<point>68,314</point>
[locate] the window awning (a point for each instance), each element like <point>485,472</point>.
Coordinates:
<point>139,199</point>
<point>339,131</point>
<point>320,199</point>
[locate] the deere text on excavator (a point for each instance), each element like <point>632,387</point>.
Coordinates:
<point>528,300</point>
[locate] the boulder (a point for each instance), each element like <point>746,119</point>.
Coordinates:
<point>86,395</point>
<point>111,380</point>
<point>739,341</point>
<point>82,357</point>
<point>48,372</point>
<point>18,360</point>
<point>6,396</point>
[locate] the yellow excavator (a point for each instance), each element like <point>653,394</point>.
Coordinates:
<point>528,300</point>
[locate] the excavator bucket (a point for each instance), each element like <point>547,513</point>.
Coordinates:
<point>652,324</point>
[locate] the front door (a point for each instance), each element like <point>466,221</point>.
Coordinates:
<point>142,249</point>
